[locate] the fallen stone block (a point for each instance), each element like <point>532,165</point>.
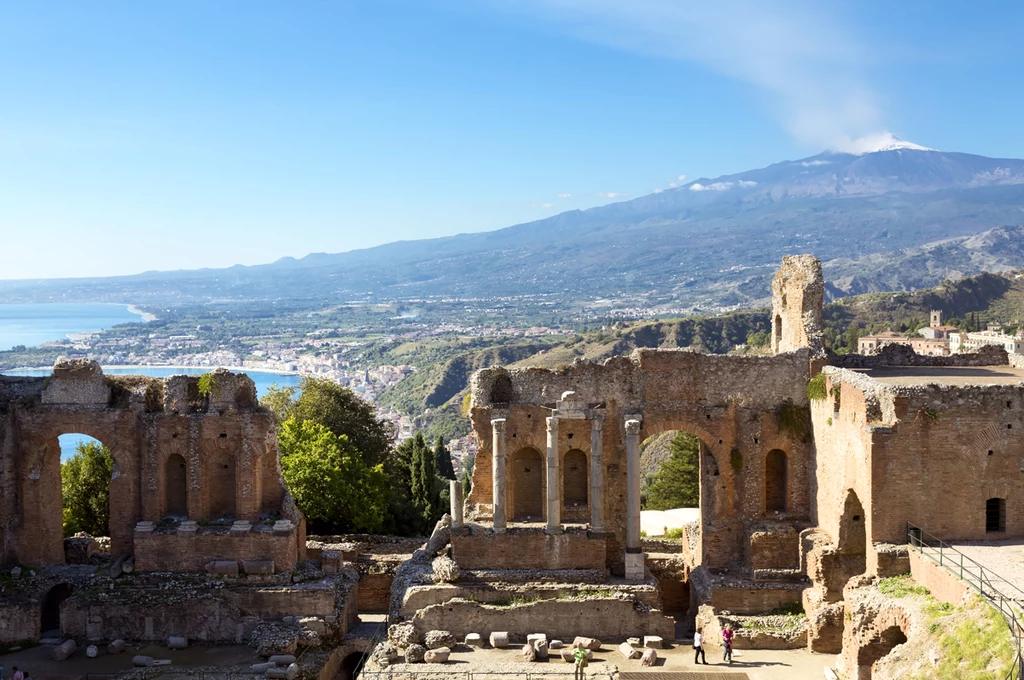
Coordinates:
<point>403,634</point>
<point>439,655</point>
<point>116,647</point>
<point>314,624</point>
<point>222,568</point>
<point>142,661</point>
<point>435,639</point>
<point>92,652</point>
<point>627,650</point>
<point>128,566</point>
<point>649,657</point>
<point>261,567</point>
<point>529,653</point>
<point>262,667</point>
<point>555,644</point>
<point>635,641</point>
<point>653,642</point>
<point>415,653</point>
<point>499,640</point>
<point>474,640</point>
<point>286,673</point>
<point>177,642</point>
<point>567,654</point>
<point>533,637</point>
<point>64,650</point>
<point>541,647</point>
<point>282,659</point>
<point>588,643</point>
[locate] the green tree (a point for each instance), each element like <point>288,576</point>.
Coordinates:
<point>337,408</point>
<point>677,482</point>
<point>469,463</point>
<point>85,485</point>
<point>444,459</point>
<point>331,484</point>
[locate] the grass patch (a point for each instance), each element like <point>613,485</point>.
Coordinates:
<point>901,586</point>
<point>978,647</point>
<point>816,388</point>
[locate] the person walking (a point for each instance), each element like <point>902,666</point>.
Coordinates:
<point>18,675</point>
<point>727,635</point>
<point>580,656</point>
<point>698,648</point>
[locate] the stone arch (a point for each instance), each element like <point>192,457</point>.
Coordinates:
<point>853,543</point>
<point>528,473</point>
<point>175,486</point>
<point>575,480</point>
<point>777,330</point>
<point>221,485</point>
<point>776,481</point>
<point>502,391</point>
<point>351,665</point>
<point>881,643</point>
<point>49,614</point>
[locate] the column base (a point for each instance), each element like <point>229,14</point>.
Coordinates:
<point>553,531</point>
<point>635,567</point>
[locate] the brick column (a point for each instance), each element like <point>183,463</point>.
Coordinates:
<point>634,552</point>
<point>597,474</point>
<point>498,473</point>
<point>554,482</point>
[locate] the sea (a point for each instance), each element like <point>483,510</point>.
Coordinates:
<point>34,324</point>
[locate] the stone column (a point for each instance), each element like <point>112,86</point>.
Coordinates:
<point>597,471</point>
<point>554,482</point>
<point>498,473</point>
<point>634,552</point>
<point>455,494</point>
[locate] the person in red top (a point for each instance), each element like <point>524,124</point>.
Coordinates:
<point>727,635</point>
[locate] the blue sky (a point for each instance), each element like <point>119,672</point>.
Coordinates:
<point>166,135</point>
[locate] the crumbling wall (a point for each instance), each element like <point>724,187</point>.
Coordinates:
<point>798,291</point>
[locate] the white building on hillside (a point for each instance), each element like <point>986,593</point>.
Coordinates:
<point>968,342</point>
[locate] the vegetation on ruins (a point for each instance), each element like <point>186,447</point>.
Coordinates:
<point>85,486</point>
<point>337,408</point>
<point>332,485</point>
<point>817,390</point>
<point>676,484</point>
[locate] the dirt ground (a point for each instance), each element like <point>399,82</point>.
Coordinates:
<point>1004,558</point>
<point>40,666</point>
<point>757,664</point>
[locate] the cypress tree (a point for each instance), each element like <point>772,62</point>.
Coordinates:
<point>444,460</point>
<point>428,483</point>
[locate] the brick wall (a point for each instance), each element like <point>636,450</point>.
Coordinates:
<point>191,552</point>
<point>945,586</point>
<point>18,621</point>
<point>374,593</point>
<point>521,548</point>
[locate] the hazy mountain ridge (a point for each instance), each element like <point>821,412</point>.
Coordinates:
<point>710,242</point>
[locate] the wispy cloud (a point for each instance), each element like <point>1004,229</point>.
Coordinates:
<point>564,195</point>
<point>721,186</point>
<point>542,205</point>
<point>808,164</point>
<point>681,178</point>
<point>611,194</point>
<point>804,56</point>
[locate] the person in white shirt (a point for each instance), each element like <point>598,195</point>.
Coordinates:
<point>698,648</point>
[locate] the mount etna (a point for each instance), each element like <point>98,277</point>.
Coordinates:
<point>897,217</point>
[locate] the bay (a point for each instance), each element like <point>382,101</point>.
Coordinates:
<point>32,324</point>
<point>262,379</point>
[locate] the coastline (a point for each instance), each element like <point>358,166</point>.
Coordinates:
<point>146,316</point>
<point>235,369</point>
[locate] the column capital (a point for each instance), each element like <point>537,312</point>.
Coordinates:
<point>596,420</point>
<point>498,424</point>
<point>633,426</point>
<point>552,423</point>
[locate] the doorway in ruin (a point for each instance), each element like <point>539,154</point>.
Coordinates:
<point>853,541</point>
<point>527,485</point>
<point>86,469</point>
<point>575,486</point>
<point>776,482</point>
<point>176,487</point>
<point>880,646</point>
<point>670,515</point>
<point>222,485</point>
<point>49,616</point>
<point>351,665</point>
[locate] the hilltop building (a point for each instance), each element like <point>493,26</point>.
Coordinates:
<point>993,336</point>
<point>934,340</point>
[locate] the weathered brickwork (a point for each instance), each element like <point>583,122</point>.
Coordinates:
<point>177,452</point>
<point>528,548</point>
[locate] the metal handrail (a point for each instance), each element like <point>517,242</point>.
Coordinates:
<point>984,580</point>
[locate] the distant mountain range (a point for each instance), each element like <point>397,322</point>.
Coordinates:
<point>898,217</point>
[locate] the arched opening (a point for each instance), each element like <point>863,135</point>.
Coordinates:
<point>527,485</point>
<point>502,391</point>
<point>86,468</point>
<point>176,487</point>
<point>222,487</point>
<point>776,481</point>
<point>49,616</point>
<point>575,484</point>
<point>671,495</point>
<point>351,665</point>
<point>777,329</point>
<point>878,648</point>
<point>995,515</point>
<point>852,538</point>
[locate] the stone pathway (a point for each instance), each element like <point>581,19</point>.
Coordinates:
<point>1005,558</point>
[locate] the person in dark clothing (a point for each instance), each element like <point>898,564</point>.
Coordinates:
<point>698,648</point>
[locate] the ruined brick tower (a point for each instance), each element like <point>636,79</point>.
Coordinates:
<point>798,292</point>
